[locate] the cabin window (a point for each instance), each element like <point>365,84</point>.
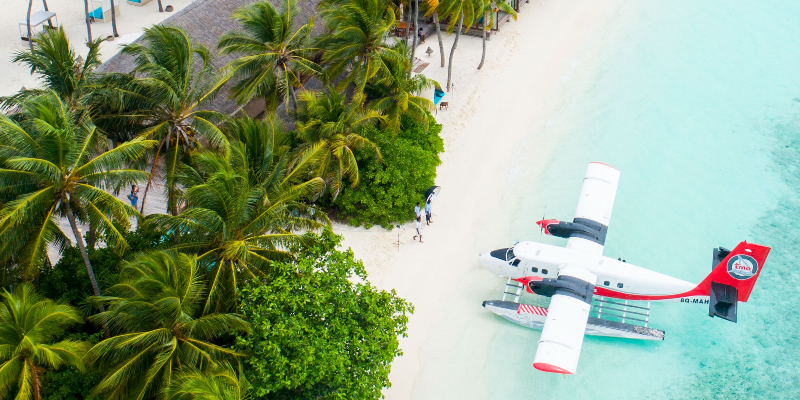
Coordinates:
<point>606,283</point>
<point>534,269</point>
<point>619,285</point>
<point>544,272</point>
<point>515,262</point>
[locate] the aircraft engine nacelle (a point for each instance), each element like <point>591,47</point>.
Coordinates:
<point>580,227</point>
<point>565,285</point>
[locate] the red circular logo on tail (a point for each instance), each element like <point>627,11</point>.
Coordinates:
<point>742,267</point>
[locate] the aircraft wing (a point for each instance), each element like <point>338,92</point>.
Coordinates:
<point>595,204</point>
<point>562,336</point>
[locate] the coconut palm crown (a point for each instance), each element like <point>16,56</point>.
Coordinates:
<point>275,56</point>
<point>167,96</point>
<point>59,69</point>
<point>29,327</point>
<point>398,94</point>
<point>357,43</point>
<point>242,209</point>
<point>55,163</point>
<point>156,315</point>
<point>328,127</point>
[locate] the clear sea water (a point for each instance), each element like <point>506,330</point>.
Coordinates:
<point>697,102</point>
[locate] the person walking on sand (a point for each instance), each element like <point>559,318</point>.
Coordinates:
<point>421,35</point>
<point>416,211</point>
<point>133,197</point>
<point>428,215</point>
<point>418,224</point>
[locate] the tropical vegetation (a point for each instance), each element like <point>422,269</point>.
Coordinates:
<point>237,288</point>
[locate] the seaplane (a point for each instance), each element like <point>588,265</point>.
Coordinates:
<point>591,294</point>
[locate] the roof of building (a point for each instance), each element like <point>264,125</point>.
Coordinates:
<point>206,21</point>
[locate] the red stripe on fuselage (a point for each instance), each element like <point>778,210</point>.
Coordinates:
<point>601,291</point>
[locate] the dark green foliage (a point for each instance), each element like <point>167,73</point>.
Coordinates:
<point>388,191</point>
<point>67,281</point>
<point>316,333</point>
<point>68,383</point>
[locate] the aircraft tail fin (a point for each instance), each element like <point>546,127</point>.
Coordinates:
<point>733,277</point>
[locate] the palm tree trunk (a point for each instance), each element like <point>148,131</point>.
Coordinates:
<point>453,50</point>
<point>36,382</point>
<point>113,20</point>
<point>30,34</point>
<point>82,248</point>
<point>414,42</point>
<point>439,35</point>
<point>150,180</point>
<point>88,23</point>
<point>160,8</point>
<point>485,21</point>
<point>293,97</point>
<point>49,21</point>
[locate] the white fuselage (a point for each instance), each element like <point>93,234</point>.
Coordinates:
<point>619,279</point>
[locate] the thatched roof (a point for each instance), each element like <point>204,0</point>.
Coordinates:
<point>206,21</point>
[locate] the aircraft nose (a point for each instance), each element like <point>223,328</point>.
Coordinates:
<point>488,262</point>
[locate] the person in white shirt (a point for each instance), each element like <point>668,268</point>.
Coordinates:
<point>416,211</point>
<point>428,215</point>
<point>419,228</point>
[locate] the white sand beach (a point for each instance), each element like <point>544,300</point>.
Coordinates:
<point>131,21</point>
<point>489,113</point>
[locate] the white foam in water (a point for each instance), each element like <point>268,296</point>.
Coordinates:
<point>693,102</point>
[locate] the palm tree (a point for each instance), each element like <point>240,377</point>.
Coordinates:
<point>88,21</point>
<point>433,9</point>
<point>59,69</point>
<point>275,57</point>
<point>156,315</point>
<point>29,326</point>
<point>221,383</point>
<point>167,97</point>
<point>489,7</point>
<point>30,32</point>
<point>327,127</point>
<point>357,42</point>
<point>56,164</point>
<point>397,95</point>
<point>459,11</point>
<point>242,209</point>
<point>113,20</point>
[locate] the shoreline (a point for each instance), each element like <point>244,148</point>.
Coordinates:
<point>491,112</point>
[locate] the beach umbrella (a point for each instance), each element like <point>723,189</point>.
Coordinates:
<point>431,193</point>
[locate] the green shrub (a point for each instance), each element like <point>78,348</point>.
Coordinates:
<point>68,282</point>
<point>389,190</point>
<point>67,383</point>
<point>320,330</point>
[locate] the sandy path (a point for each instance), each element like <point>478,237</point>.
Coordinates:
<point>132,20</point>
<point>490,112</point>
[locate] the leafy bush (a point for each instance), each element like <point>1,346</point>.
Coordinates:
<point>316,333</point>
<point>68,282</point>
<point>388,191</point>
<point>67,383</point>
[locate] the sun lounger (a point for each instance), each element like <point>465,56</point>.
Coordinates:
<point>37,22</point>
<point>102,10</point>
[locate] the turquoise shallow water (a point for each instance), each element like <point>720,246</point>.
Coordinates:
<point>698,104</point>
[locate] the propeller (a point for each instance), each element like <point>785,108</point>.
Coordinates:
<point>541,226</point>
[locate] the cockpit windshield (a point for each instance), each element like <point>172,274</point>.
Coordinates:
<point>506,254</point>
